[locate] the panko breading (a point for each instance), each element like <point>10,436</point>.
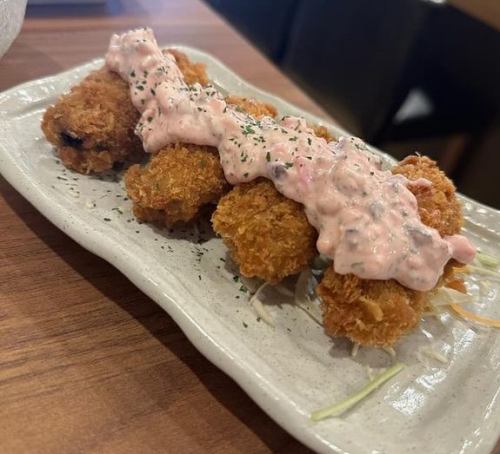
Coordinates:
<point>193,72</point>
<point>267,234</point>
<point>175,184</point>
<point>378,313</point>
<point>438,205</point>
<point>322,131</point>
<point>370,312</point>
<point>258,207</point>
<point>92,127</point>
<point>255,108</point>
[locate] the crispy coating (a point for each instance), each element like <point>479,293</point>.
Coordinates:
<point>92,127</point>
<point>321,131</point>
<point>175,184</point>
<point>253,107</point>
<point>180,180</point>
<point>267,234</point>
<point>378,313</point>
<point>192,72</point>
<point>370,312</point>
<point>438,205</point>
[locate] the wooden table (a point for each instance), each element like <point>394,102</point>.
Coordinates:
<point>88,362</point>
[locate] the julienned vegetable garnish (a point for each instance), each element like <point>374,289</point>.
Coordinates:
<point>346,404</point>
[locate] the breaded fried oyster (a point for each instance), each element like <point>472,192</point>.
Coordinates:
<point>177,182</point>
<point>378,313</point>
<point>92,127</point>
<point>267,234</point>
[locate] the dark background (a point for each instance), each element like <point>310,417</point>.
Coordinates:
<point>405,75</point>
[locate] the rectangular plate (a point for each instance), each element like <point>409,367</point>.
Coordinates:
<point>293,368</point>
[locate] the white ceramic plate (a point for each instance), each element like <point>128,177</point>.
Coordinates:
<point>292,369</point>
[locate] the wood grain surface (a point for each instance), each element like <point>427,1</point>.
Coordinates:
<point>87,362</point>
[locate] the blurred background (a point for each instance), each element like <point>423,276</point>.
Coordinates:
<point>405,75</point>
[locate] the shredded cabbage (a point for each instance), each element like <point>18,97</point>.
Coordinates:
<point>445,296</point>
<point>349,402</point>
<point>487,260</point>
<point>303,299</point>
<point>259,308</point>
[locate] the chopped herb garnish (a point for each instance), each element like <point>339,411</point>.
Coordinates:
<point>247,129</point>
<point>309,141</point>
<point>268,156</point>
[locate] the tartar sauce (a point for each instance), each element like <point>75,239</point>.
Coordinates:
<point>366,217</point>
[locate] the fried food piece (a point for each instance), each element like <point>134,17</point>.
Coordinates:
<point>181,179</point>
<point>267,234</point>
<point>370,312</point>
<point>378,313</point>
<point>253,107</point>
<point>192,72</point>
<point>438,205</point>
<point>321,131</point>
<point>92,126</point>
<point>175,184</point>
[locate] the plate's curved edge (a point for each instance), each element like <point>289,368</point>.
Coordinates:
<point>213,351</point>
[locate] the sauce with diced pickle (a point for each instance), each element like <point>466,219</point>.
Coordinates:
<point>366,217</point>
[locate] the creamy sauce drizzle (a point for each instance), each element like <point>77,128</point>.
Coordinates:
<point>367,219</point>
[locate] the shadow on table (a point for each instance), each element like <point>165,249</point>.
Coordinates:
<point>117,288</point>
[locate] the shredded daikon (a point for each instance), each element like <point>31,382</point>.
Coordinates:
<point>369,372</point>
<point>259,308</point>
<point>355,349</point>
<point>431,353</point>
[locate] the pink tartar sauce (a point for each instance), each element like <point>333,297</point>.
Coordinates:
<point>366,217</point>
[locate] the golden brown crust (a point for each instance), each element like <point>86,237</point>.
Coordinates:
<point>375,313</point>
<point>322,131</point>
<point>92,126</point>
<point>378,313</point>
<point>438,205</point>
<point>253,107</point>
<point>267,234</point>
<point>176,183</point>
<point>192,72</point>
